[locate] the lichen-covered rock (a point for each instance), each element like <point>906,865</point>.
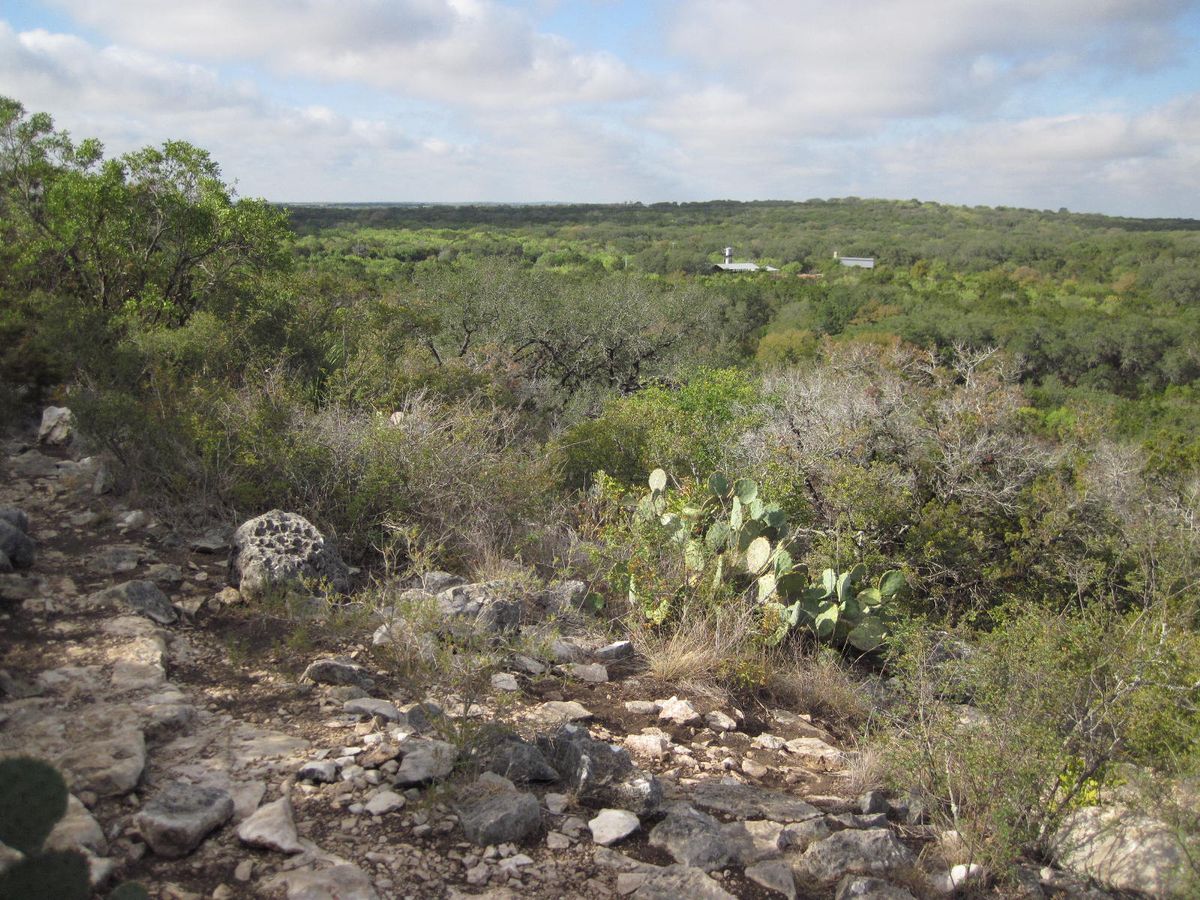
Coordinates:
<point>283,551</point>
<point>1122,850</point>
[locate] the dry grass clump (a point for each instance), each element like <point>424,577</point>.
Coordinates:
<point>823,686</point>
<point>699,652</point>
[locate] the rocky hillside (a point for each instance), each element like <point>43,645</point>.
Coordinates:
<point>214,748</point>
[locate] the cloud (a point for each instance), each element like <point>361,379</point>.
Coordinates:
<point>475,53</point>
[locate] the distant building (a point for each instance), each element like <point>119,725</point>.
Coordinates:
<point>730,266</point>
<point>855,262</point>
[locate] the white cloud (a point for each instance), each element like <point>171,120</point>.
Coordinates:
<point>476,53</point>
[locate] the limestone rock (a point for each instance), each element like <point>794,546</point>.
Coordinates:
<point>613,825</point>
<point>859,887</point>
<point>505,681</point>
<point>674,882</point>
<point>519,761</point>
<point>143,597</point>
<point>719,721</point>
<point>77,830</point>
<point>336,671</point>
<point>108,768</point>
<point>495,812</point>
<point>369,706</point>
<point>615,652</point>
<point>599,773</point>
<point>426,761</point>
<point>1122,850</point>
<point>56,428</point>
<point>384,802</point>
<point>284,550</point>
<point>678,712</point>
<point>272,827</point>
<point>564,597</point>
<point>557,712</point>
<point>483,606</point>
<point>774,875</point>
<point>695,838</point>
<point>320,770</point>
<point>594,673</point>
<point>179,817</point>
<point>874,851</point>
<point>745,801</point>
<point>341,882</point>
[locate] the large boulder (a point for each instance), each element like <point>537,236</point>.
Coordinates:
<point>600,774</point>
<point>284,551</point>
<point>1122,850</point>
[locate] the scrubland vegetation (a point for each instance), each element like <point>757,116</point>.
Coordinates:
<point>972,474</point>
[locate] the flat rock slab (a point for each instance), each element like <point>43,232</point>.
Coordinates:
<point>696,839</point>
<point>774,875</point>
<point>272,827</point>
<point>594,673</point>
<point>875,851</point>
<point>369,706</point>
<point>143,597</point>
<point>108,768</point>
<point>179,817</point>
<point>1122,850</point>
<point>384,802</point>
<point>341,882</point>
<point>336,671</point>
<point>557,712</point>
<point>675,882</point>
<point>745,801</point>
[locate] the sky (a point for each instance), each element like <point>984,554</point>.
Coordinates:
<point>1093,105</point>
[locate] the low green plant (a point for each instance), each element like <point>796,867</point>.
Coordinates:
<point>733,543</point>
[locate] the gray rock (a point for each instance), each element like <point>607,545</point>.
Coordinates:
<point>110,767</point>
<point>874,851</point>
<point>369,706</point>
<point>337,671</point>
<point>564,597</point>
<point>643,707</point>
<point>697,839</point>
<point>594,673</point>
<point>480,606</point>
<point>341,882</point>
<point>859,887</point>
<point>283,550</point>
<point>527,664</point>
<point>6,565</point>
<point>272,827</point>
<point>425,761</point>
<point>16,545</point>
<point>1122,850</point>
<point>599,773</point>
<point>774,875</point>
<point>505,681</point>
<point>674,882</point>
<point>613,825</point>
<point>56,428</point>
<point>212,541</point>
<point>519,761</point>
<point>495,812</point>
<point>565,652</point>
<point>420,717</point>
<point>320,770</point>
<point>615,652</point>
<point>557,712</point>
<point>115,559</point>
<point>165,573</point>
<point>745,801</point>
<point>719,721</point>
<point>143,597</point>
<point>181,815</point>
<point>872,803</point>
<point>15,517</point>
<point>436,581</point>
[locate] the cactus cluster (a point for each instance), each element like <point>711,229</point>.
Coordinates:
<point>33,798</point>
<point>741,540</point>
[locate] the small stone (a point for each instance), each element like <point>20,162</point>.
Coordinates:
<point>557,841</point>
<point>652,745</point>
<point>628,882</point>
<point>859,887</point>
<point>958,877</point>
<point>528,665</point>
<point>679,712</point>
<point>496,813</point>
<point>612,825</point>
<point>556,803</point>
<point>557,712</point>
<point>336,671</point>
<point>873,802</point>
<point>244,870</point>
<point>754,769</point>
<point>426,761</point>
<point>768,742</point>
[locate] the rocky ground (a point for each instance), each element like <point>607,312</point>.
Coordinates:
<point>213,753</point>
